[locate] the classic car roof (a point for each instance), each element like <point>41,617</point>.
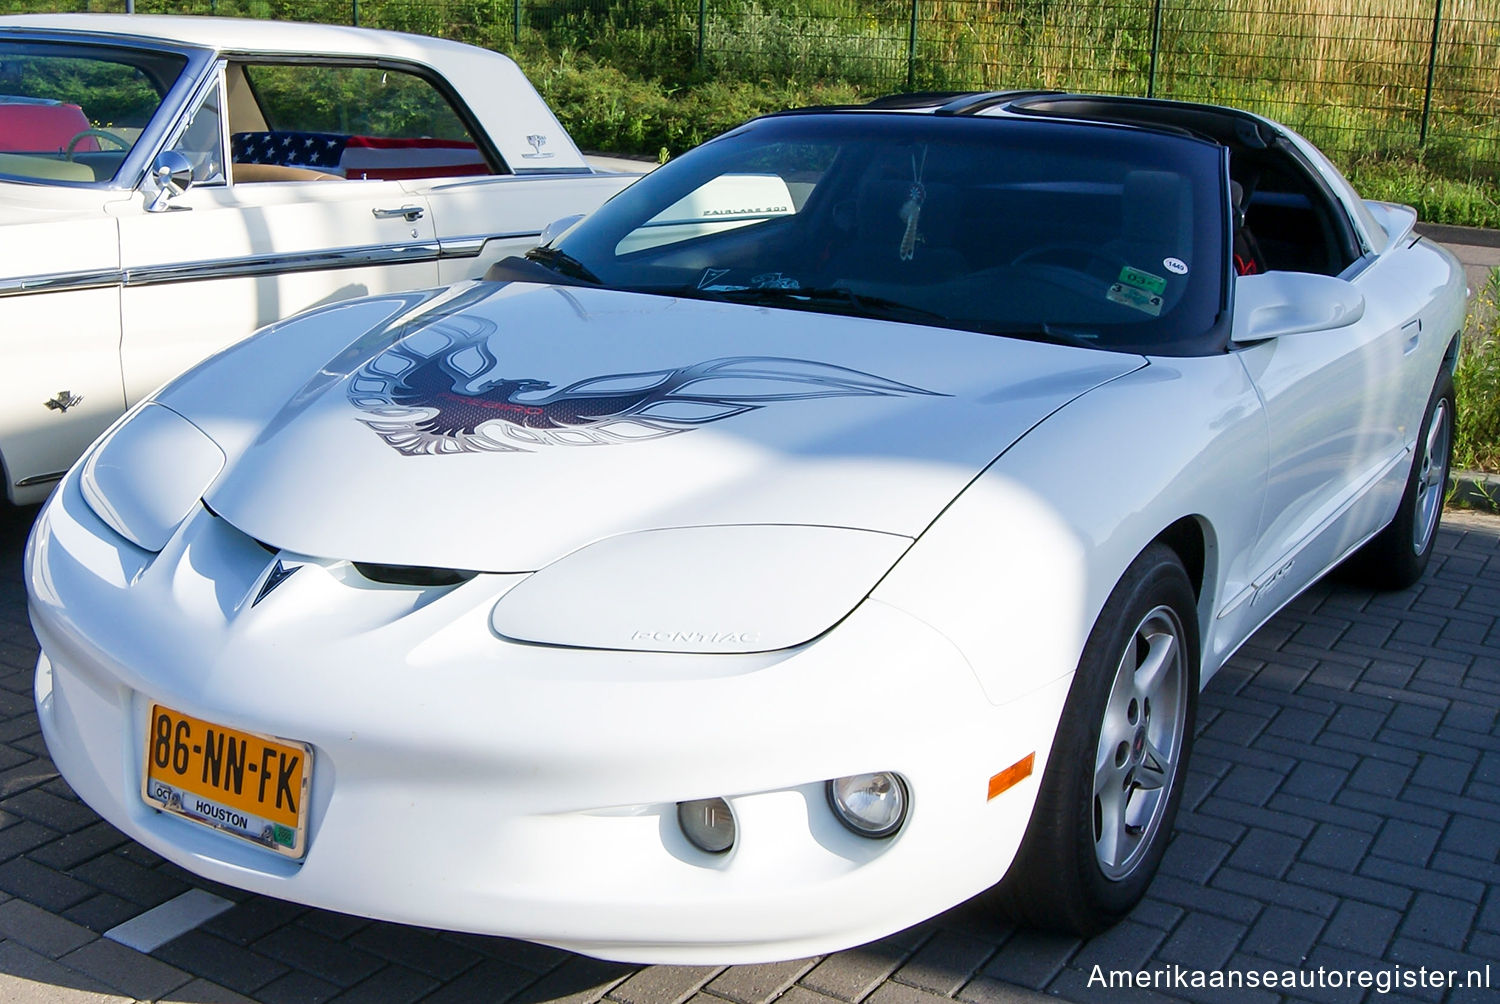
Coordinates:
<point>237,34</point>
<point>489,82</point>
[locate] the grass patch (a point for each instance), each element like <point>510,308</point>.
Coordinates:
<point>1437,196</point>
<point>1476,384</point>
<point>608,110</point>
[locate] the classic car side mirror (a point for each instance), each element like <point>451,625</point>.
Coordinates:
<point>555,229</point>
<point>173,174</point>
<point>1273,304</point>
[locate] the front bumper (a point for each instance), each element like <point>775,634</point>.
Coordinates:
<point>465,782</point>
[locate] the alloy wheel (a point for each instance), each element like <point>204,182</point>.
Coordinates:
<point>1140,743</point>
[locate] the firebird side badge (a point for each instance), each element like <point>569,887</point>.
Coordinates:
<point>64,400</point>
<point>279,573</point>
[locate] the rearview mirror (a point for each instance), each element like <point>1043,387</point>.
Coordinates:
<point>173,174</point>
<point>1274,304</point>
<point>555,229</point>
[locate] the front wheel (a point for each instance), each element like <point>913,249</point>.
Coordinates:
<point>1396,557</point>
<point>1114,778</point>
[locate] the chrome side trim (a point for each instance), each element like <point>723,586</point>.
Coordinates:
<point>96,279</point>
<point>271,264</point>
<point>472,245</point>
<point>469,246</point>
<point>40,479</point>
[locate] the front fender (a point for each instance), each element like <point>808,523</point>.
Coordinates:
<point>1016,570</point>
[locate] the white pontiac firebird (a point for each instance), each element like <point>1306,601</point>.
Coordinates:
<point>839,522</point>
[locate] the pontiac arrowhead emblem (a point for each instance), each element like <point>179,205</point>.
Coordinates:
<point>64,400</point>
<point>279,574</point>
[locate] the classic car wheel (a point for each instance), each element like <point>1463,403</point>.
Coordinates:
<point>1396,557</point>
<point>1114,777</point>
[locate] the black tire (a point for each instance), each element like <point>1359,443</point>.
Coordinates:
<point>1396,557</point>
<point>1073,873</point>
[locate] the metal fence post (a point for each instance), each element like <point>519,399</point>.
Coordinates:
<point>355,17</point>
<point>515,21</point>
<point>702,17</point>
<point>1437,25</point>
<point>1155,48</point>
<point>911,49</point>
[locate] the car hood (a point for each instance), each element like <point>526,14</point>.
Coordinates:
<point>498,428</point>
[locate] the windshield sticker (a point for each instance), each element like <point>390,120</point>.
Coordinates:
<point>773,280</point>
<point>1142,280</point>
<point>1174,265</point>
<point>1134,296</point>
<point>443,393</point>
<point>711,276</point>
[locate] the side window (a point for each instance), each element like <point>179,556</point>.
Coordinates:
<point>202,141</point>
<point>341,121</point>
<point>1291,221</point>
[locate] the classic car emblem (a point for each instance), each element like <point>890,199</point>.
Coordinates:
<point>64,400</point>
<point>537,141</point>
<point>439,391</point>
<point>279,573</point>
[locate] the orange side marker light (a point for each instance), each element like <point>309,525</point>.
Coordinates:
<point>1012,775</point>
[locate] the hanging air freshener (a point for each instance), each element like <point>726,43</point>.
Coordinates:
<point>911,210</point>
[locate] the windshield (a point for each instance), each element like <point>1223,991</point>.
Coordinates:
<point>1100,236</point>
<point>70,113</point>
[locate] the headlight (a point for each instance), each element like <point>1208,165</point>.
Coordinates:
<point>719,589</point>
<point>872,805</point>
<point>147,475</point>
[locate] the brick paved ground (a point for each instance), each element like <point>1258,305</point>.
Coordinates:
<point>1343,812</point>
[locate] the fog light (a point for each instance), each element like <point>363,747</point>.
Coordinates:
<point>708,823</point>
<point>872,805</point>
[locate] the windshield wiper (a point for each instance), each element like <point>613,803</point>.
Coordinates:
<point>812,297</point>
<point>835,294</point>
<point>805,296</point>
<point>560,261</point>
<point>1042,332</point>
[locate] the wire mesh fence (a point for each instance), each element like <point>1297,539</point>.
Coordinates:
<point>1363,78</point>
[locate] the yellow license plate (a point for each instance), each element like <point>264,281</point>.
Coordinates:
<point>242,783</point>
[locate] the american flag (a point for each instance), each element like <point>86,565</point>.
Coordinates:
<point>360,157</point>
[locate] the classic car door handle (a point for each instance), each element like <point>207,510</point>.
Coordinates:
<point>411,213</point>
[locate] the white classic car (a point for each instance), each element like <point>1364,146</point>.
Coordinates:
<point>838,522</point>
<point>170,184</point>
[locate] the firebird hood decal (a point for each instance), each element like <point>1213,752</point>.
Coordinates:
<point>443,391</point>
<point>429,434</point>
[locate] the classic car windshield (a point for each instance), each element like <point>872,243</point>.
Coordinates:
<point>1100,236</point>
<point>71,113</point>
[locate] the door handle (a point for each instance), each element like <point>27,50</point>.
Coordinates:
<point>1413,332</point>
<point>409,213</point>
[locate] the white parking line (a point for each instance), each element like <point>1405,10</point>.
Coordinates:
<point>175,917</point>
